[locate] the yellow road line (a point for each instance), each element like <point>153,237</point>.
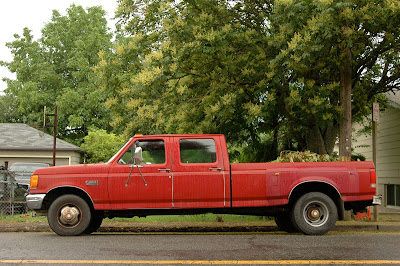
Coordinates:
<point>215,262</point>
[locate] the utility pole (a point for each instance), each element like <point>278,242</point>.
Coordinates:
<point>375,119</point>
<point>345,126</point>
<point>45,126</point>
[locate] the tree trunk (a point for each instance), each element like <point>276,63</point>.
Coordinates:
<point>345,101</point>
<point>330,137</point>
<point>315,140</point>
<point>322,141</point>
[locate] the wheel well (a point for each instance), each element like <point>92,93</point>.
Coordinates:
<point>315,186</point>
<point>57,192</point>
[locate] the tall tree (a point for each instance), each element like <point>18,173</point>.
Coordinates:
<point>58,69</point>
<point>250,68</point>
<point>346,48</point>
<point>6,109</point>
<point>202,71</point>
<point>27,93</point>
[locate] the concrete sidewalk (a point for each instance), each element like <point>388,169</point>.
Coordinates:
<point>204,227</point>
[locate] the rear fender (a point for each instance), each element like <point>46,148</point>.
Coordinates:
<point>318,186</point>
<point>309,184</point>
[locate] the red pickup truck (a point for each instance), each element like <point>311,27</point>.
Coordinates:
<point>191,174</point>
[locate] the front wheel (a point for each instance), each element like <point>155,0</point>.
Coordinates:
<point>314,213</point>
<point>69,215</point>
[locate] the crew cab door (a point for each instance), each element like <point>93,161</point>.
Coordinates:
<point>199,177</point>
<point>142,184</point>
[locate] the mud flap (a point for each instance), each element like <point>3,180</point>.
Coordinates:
<point>341,209</point>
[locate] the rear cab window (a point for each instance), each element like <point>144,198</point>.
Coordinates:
<point>197,151</point>
<point>198,154</point>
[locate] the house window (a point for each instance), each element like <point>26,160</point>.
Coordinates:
<point>393,195</point>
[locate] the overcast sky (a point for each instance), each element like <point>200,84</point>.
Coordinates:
<point>15,15</point>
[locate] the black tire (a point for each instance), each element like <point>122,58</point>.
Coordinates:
<point>314,214</point>
<point>69,215</point>
<point>95,223</point>
<point>284,223</point>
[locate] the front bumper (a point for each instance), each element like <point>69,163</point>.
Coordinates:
<point>377,200</point>
<point>34,201</point>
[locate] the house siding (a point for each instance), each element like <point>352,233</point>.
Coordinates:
<point>387,150</point>
<point>62,157</point>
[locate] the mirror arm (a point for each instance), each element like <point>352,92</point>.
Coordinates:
<point>129,177</point>
<point>130,173</point>
<point>144,181</point>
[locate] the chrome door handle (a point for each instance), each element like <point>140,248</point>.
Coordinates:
<point>215,169</point>
<point>164,170</point>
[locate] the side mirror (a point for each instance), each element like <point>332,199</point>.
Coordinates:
<point>138,155</point>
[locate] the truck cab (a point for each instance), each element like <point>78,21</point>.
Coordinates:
<point>173,172</point>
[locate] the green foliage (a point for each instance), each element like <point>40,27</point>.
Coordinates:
<point>57,69</point>
<point>358,157</point>
<point>313,40</point>
<point>26,218</point>
<point>247,68</point>
<point>7,109</point>
<point>263,150</point>
<point>200,76</point>
<point>100,146</point>
<point>307,156</point>
<point>154,157</point>
<point>267,74</point>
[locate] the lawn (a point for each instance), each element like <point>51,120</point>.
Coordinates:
<point>30,217</point>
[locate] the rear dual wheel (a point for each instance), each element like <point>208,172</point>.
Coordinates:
<point>314,213</point>
<point>284,223</point>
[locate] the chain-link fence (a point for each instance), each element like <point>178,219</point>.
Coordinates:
<point>12,192</point>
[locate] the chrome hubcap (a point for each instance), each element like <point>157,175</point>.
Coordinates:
<point>69,216</point>
<point>316,213</point>
<point>313,214</point>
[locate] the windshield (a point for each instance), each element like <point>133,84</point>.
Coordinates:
<point>112,158</point>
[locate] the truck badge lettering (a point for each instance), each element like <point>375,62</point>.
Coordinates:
<point>92,183</point>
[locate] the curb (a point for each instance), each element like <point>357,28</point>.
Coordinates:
<point>369,228</point>
<point>190,228</point>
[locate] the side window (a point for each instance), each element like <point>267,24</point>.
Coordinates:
<point>127,158</point>
<point>198,151</point>
<point>153,152</point>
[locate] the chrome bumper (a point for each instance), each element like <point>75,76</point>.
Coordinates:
<point>34,201</point>
<point>377,200</point>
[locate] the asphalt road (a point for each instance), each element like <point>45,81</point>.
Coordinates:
<point>267,248</point>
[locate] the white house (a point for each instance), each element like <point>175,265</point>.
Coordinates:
<point>387,153</point>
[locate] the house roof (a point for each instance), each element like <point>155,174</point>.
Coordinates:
<point>16,136</point>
